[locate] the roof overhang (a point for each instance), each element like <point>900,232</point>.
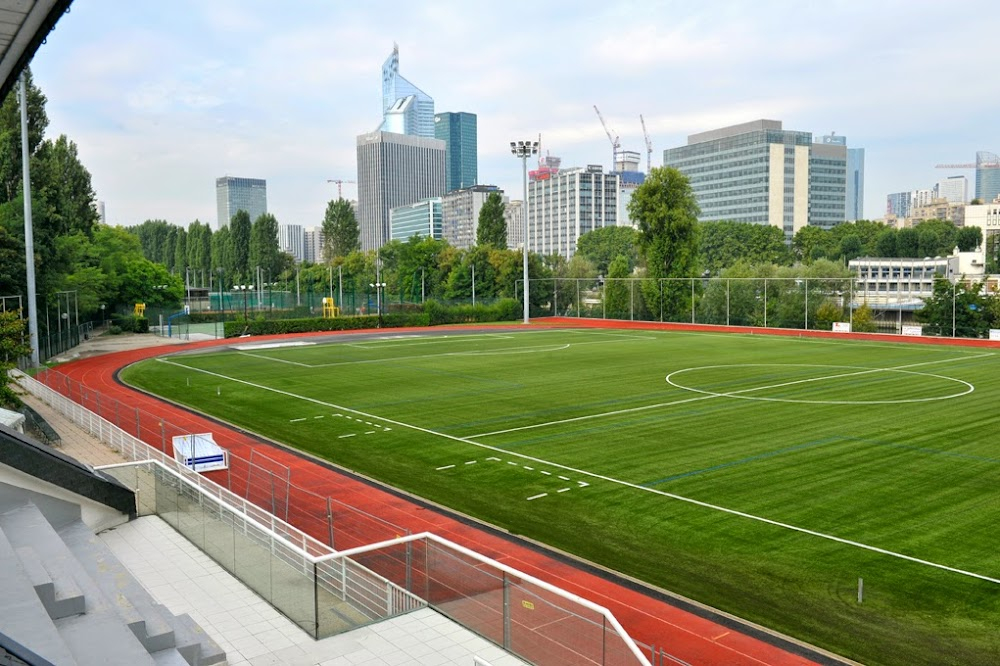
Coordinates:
<point>24,25</point>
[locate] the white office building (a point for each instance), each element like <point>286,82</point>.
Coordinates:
<point>567,205</point>
<point>312,245</point>
<point>460,214</point>
<point>955,189</point>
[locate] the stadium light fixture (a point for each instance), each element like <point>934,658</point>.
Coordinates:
<point>523,149</point>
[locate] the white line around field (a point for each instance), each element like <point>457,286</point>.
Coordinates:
<point>707,396</point>
<point>272,358</point>
<point>601,477</point>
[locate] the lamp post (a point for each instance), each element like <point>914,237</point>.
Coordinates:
<point>378,287</point>
<point>523,149</point>
<point>103,319</point>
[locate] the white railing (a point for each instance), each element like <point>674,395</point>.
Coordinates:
<point>339,573</point>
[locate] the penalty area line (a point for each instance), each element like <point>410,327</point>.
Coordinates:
<point>601,477</point>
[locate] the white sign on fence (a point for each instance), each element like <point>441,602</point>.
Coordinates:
<point>913,330</point>
<point>995,334</point>
<point>200,452</point>
<point>842,327</point>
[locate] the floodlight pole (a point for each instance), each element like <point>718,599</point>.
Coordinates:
<point>29,241</point>
<point>523,149</point>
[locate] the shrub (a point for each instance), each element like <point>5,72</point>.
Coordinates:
<point>131,323</point>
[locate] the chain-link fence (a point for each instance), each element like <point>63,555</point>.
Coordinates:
<point>791,303</point>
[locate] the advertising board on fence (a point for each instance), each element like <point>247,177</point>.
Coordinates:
<point>913,330</point>
<point>841,327</point>
<point>995,334</point>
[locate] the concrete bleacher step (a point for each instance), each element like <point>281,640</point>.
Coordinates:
<point>172,657</point>
<point>153,624</point>
<point>148,620</point>
<point>56,588</point>
<point>194,644</point>
<point>85,636</point>
<point>22,615</point>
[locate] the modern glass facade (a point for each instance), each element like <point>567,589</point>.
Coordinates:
<point>855,184</point>
<point>394,170</point>
<point>419,219</point>
<point>458,131</point>
<point>406,109</point>
<point>567,205</point>
<point>899,204</point>
<point>987,176</point>
<point>233,194</point>
<point>827,185</point>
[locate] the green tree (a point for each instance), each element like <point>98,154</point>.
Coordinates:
<point>958,308</point>
<point>722,244</point>
<point>863,321</point>
<point>492,226</point>
<point>10,135</point>
<point>13,345</point>
<point>851,247</point>
<point>239,244</point>
<point>969,238</point>
<point>341,234</point>
<point>602,246</point>
<point>885,246</point>
<point>264,252</point>
<point>908,243</point>
<point>617,289</point>
<point>667,214</point>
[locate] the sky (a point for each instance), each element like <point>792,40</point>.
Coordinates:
<point>162,98</point>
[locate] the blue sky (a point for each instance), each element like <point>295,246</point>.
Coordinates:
<point>163,97</point>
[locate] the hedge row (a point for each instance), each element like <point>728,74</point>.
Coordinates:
<point>434,314</point>
<point>130,323</point>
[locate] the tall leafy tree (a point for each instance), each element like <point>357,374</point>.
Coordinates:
<point>602,246</point>
<point>239,243</point>
<point>10,135</point>
<point>492,225</point>
<point>341,234</point>
<point>264,250</point>
<point>722,244</point>
<point>617,289</point>
<point>667,214</point>
<point>13,337</point>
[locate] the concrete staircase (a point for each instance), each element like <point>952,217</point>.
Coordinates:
<point>70,601</point>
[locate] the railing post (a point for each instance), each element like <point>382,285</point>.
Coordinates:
<point>506,613</point>
<point>138,431</point>
<point>329,518</point>
<point>316,601</point>
<point>409,565</point>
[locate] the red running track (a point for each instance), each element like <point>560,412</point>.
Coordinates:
<point>683,634</point>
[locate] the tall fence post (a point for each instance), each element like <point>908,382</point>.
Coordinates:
<point>506,612</point>
<point>692,302</point>
<point>138,432</point>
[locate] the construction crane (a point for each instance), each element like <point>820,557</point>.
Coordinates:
<point>649,144</point>
<point>984,160</point>
<point>340,185</point>
<point>613,138</point>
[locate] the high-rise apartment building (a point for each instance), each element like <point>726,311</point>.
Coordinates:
<point>899,204</point>
<point>290,239</point>
<point>564,206</point>
<point>513,215</point>
<point>954,189</point>
<point>758,172</point>
<point>406,109</point>
<point>422,219</point>
<point>987,176</point>
<point>855,184</point>
<point>460,214</point>
<point>312,244</point>
<point>458,131</point>
<point>394,170</point>
<point>233,194</point>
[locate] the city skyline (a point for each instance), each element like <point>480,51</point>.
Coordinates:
<point>248,88</point>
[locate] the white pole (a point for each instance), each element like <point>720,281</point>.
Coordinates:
<point>29,239</point>
<point>473,285</point>
<point>524,168</point>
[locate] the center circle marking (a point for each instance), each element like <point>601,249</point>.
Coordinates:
<point>746,394</point>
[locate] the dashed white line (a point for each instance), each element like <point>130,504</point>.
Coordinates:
<point>512,463</point>
<point>534,497</point>
<point>343,436</point>
<point>318,417</point>
<point>445,467</point>
<point>528,468</point>
<point>564,478</point>
<point>563,490</point>
<point>471,462</point>
<point>370,432</point>
<point>583,484</point>
<point>546,473</point>
<point>297,420</point>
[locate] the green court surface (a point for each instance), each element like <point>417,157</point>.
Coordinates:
<point>762,475</point>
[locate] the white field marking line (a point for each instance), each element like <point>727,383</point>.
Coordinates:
<point>534,497</point>
<point>471,462</point>
<point>297,420</point>
<point>343,436</point>
<point>370,432</point>
<point>445,467</point>
<point>430,340</point>
<point>272,358</point>
<point>318,417</point>
<point>564,490</point>
<point>545,473</point>
<point>601,477</point>
<point>707,396</point>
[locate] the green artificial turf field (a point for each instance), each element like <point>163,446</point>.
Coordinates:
<point>762,475</point>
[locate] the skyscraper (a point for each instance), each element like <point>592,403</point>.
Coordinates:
<point>458,131</point>
<point>394,170</point>
<point>987,176</point>
<point>855,184</point>
<point>406,109</point>
<point>953,188</point>
<point>233,194</point>
<point>291,238</point>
